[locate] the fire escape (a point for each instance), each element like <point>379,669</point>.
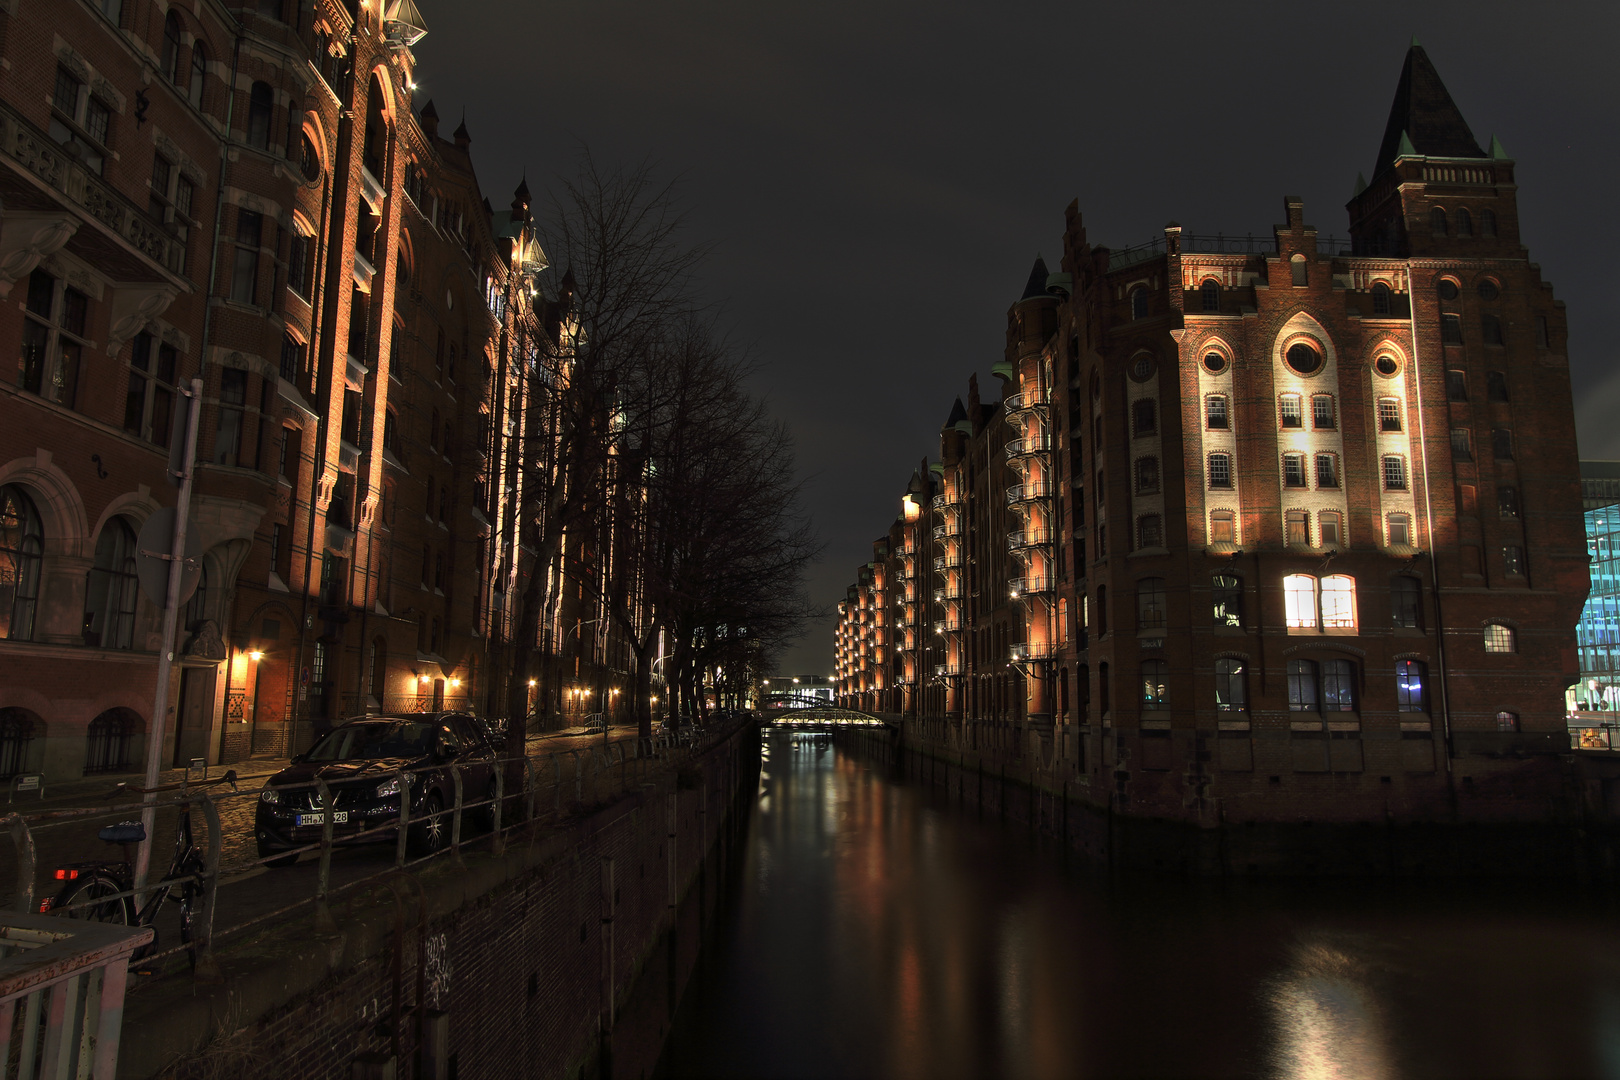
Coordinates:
<point>948,573</point>
<point>1030,540</point>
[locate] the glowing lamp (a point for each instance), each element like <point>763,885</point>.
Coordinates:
<point>256,654</point>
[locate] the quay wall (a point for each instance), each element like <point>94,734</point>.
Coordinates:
<point>1575,835</point>
<point>537,962</point>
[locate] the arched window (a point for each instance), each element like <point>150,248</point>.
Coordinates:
<point>1139,302</point>
<point>1231,686</point>
<point>109,740</point>
<point>1211,293</point>
<point>1150,607</point>
<point>1406,602</point>
<point>199,74</point>
<point>1338,602</point>
<point>1381,298</point>
<point>109,602</point>
<point>1499,638</point>
<point>1338,686</point>
<point>1299,270</point>
<point>1437,221</point>
<point>1412,686</point>
<point>1507,721</point>
<point>1465,222</point>
<point>21,544</point>
<point>1299,600</point>
<point>1155,694</point>
<point>261,101</point>
<point>16,732</point>
<point>1302,686</point>
<point>1150,531</point>
<point>1487,223</point>
<point>171,48</point>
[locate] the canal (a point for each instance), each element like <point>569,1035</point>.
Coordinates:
<point>875,928</point>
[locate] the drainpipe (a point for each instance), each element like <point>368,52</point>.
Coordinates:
<point>1428,515</point>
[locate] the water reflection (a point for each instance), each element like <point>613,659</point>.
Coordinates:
<point>878,930</point>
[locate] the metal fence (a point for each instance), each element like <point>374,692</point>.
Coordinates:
<point>553,786</point>
<point>1218,244</point>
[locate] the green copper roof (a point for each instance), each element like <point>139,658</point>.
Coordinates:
<point>1496,148</point>
<point>1002,369</point>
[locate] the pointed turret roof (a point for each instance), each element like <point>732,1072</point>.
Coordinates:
<point>958,414</point>
<point>1424,116</point>
<point>1037,280</point>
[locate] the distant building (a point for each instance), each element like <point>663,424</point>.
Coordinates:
<point>1289,525</point>
<point>1600,484</point>
<point>798,691</point>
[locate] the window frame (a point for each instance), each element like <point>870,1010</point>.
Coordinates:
<point>1219,467</point>
<point>1500,638</point>
<point>1217,413</point>
<point>1291,412</point>
<point>1389,413</point>
<point>57,336</point>
<point>1393,473</point>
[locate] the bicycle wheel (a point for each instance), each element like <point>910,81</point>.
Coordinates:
<point>82,900</point>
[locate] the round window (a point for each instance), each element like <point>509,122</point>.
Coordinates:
<point>1488,290</point>
<point>309,162</point>
<point>1142,368</point>
<point>1214,363</point>
<point>1448,289</point>
<point>1304,359</point>
<point>1386,366</point>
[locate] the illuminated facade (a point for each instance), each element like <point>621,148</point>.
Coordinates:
<point>1294,522</point>
<point>246,193</point>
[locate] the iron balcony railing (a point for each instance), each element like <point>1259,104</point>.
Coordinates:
<point>946,500</point>
<point>947,562</point>
<point>1025,400</point>
<point>1218,244</point>
<point>1028,492</point>
<point>1030,586</point>
<point>949,529</point>
<point>946,671</point>
<point>1031,444</point>
<point>1025,651</point>
<point>1028,538</point>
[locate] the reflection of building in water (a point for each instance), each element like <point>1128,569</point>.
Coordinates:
<point>798,691</point>
<point>1328,1021</point>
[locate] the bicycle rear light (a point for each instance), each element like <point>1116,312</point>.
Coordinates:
<point>45,905</point>
<point>67,874</point>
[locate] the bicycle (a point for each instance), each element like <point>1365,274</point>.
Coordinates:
<point>102,891</point>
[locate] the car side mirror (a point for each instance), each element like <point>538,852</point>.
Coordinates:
<point>298,758</point>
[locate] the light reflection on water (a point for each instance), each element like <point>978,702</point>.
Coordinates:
<point>875,929</point>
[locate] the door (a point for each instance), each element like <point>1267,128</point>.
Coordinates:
<point>195,716</point>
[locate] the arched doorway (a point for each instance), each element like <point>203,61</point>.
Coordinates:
<point>111,741</point>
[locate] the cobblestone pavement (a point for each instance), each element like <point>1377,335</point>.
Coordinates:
<point>252,891</point>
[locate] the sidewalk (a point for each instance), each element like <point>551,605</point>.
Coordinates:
<point>93,789</point>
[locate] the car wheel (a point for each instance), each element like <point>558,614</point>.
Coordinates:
<point>430,832</point>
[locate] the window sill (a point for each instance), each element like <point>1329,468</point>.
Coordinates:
<point>1232,725</point>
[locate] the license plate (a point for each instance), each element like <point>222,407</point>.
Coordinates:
<point>339,817</point>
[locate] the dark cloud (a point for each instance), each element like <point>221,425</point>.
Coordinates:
<point>880,174</point>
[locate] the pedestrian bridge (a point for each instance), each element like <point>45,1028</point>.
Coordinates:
<point>823,718</point>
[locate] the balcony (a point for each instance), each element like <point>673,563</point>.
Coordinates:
<point>947,530</point>
<point>1026,401</point>
<point>1029,445</point>
<point>1027,651</point>
<point>364,271</point>
<point>1029,586</point>
<point>946,500</point>
<point>1029,538</point>
<point>946,671</point>
<point>371,190</point>
<point>947,562</point>
<point>354,373</point>
<point>1032,491</point>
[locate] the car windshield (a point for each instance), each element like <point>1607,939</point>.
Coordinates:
<point>375,739</point>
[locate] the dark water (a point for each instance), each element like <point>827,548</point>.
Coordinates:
<point>878,930</point>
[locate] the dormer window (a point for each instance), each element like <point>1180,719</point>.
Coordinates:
<point>1139,302</point>
<point>1211,294</point>
<point>1381,298</point>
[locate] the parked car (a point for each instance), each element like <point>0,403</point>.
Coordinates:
<point>357,759</point>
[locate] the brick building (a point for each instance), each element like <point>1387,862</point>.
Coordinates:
<point>246,194</point>
<point>1295,524</point>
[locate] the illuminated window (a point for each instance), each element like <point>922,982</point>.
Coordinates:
<point>1220,470</point>
<point>1302,686</point>
<point>1231,686</point>
<point>1299,601</point>
<point>1228,600</point>
<point>1499,638</point>
<point>1155,692</point>
<point>1395,473</point>
<point>1296,266</point>
<point>1215,413</point>
<point>1338,602</point>
<point>1389,414</point>
<point>1507,721</point>
<point>1338,686</point>
<point>1411,686</point>
<point>1290,411</point>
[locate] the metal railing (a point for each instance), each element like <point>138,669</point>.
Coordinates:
<point>1025,400</point>
<point>1028,538</point>
<point>1218,244</point>
<point>947,562</point>
<point>553,786</point>
<point>1025,651</point>
<point>1030,444</point>
<point>1028,492</point>
<point>948,530</point>
<point>946,500</point>
<point>1029,586</point>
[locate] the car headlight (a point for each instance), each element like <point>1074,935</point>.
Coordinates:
<point>387,788</point>
<point>270,795</point>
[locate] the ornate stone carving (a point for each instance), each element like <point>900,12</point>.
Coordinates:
<point>27,238</point>
<point>133,307</point>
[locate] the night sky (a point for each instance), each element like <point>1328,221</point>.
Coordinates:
<point>878,176</point>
